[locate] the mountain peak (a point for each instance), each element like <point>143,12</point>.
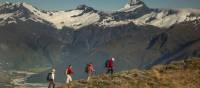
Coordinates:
<point>133,5</point>
<point>135,2</point>
<point>85,8</point>
<point>25,4</point>
<point>15,7</point>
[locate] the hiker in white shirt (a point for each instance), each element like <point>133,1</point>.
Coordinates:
<point>51,78</point>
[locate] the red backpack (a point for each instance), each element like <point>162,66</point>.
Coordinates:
<point>89,68</point>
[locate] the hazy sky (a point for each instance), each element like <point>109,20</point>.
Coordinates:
<point>106,5</point>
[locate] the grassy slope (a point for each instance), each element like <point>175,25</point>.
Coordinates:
<point>182,74</point>
<point>4,77</point>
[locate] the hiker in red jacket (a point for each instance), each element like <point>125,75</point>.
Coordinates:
<point>109,65</point>
<point>69,73</point>
<point>89,70</point>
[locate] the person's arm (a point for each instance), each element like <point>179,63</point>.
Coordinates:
<point>93,69</point>
<point>72,72</point>
<point>66,71</point>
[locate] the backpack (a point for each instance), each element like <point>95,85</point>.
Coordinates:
<point>86,68</point>
<point>49,77</point>
<point>89,68</point>
<point>106,63</point>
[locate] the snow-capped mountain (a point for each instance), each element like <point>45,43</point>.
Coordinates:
<point>135,11</point>
<point>82,16</point>
<point>11,13</point>
<point>138,13</point>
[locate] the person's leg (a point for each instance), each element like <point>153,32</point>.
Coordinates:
<point>89,75</point>
<point>70,78</point>
<point>53,84</point>
<point>50,83</point>
<point>67,81</point>
<point>108,71</point>
<point>111,71</point>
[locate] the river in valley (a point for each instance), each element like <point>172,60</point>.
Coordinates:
<point>18,80</point>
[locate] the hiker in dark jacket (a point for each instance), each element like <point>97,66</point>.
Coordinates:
<point>69,73</point>
<point>51,78</point>
<point>89,70</point>
<point>109,65</point>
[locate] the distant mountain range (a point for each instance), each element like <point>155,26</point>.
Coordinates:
<point>137,36</point>
<point>136,12</point>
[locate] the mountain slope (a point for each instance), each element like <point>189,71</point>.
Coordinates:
<point>28,45</point>
<point>181,40</point>
<point>160,76</point>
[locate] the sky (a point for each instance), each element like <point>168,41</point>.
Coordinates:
<point>106,5</point>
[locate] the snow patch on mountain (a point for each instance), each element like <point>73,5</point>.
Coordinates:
<point>110,22</point>
<point>167,18</point>
<point>5,16</point>
<point>133,5</point>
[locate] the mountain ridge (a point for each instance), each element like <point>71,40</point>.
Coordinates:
<point>137,13</point>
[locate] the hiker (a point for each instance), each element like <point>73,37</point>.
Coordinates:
<point>109,65</point>
<point>51,78</point>
<point>89,70</point>
<point>69,73</point>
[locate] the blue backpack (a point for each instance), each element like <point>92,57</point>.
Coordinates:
<point>49,77</point>
<point>106,63</point>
